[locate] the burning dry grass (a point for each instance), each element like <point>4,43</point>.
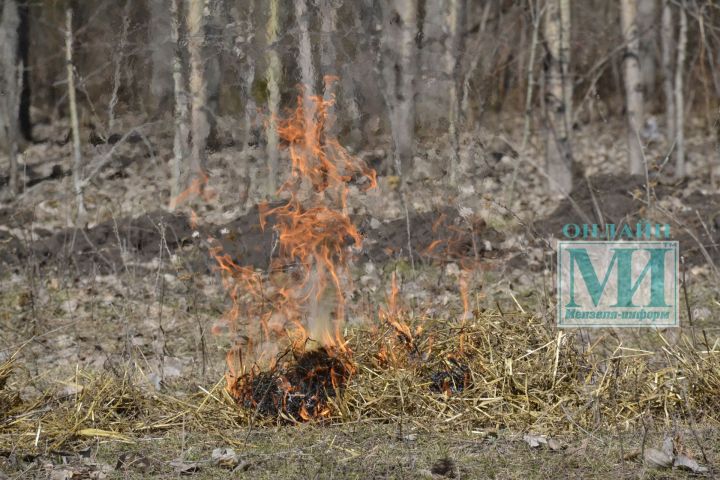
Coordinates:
<point>511,372</point>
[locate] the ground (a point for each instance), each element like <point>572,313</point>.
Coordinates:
<point>114,369</point>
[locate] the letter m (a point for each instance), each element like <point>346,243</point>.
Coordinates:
<point>626,288</point>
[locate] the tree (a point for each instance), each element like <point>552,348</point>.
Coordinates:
<point>307,70</point>
<point>199,121</point>
<point>181,146</point>
<point>679,99</point>
<point>78,180</point>
<point>647,18</point>
<point>558,96</point>
<point>328,55</point>
<point>453,49</point>
<point>162,46</point>
<point>666,35</point>
<point>399,59</point>
<point>634,110</point>
<point>11,85</point>
<point>273,88</point>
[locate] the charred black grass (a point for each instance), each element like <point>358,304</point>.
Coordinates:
<point>298,390</point>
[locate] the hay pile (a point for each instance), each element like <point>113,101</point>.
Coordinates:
<point>511,370</point>
<point>9,399</point>
<point>495,371</point>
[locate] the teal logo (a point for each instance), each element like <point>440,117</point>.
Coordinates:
<point>617,283</point>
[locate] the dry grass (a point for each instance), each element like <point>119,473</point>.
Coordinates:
<point>516,372</point>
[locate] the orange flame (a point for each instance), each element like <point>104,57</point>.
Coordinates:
<point>392,315</point>
<point>301,302</point>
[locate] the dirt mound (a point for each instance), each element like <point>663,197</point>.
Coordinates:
<point>612,194</point>
<point>106,248</point>
<point>622,200</point>
<point>116,245</point>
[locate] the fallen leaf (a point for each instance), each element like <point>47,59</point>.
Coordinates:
<point>225,457</point>
<point>668,447</point>
<point>686,463</point>
<point>632,455</point>
<point>61,474</point>
<point>185,468</point>
<point>408,437</point>
<point>657,459</point>
<point>534,440</point>
<point>554,444</point>
<point>133,460</point>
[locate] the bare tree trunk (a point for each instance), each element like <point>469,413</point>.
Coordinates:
<point>181,146</point>
<point>633,85</point>
<point>200,124</point>
<point>351,109</point>
<point>74,122</point>
<point>399,55</point>
<point>648,31</point>
<point>10,88</point>
<point>472,66</point>
<point>567,80</point>
<point>679,99</point>
<point>397,60</point>
<point>248,73</point>
<point>667,66</point>
<point>453,52</point>
<point>119,56</point>
<point>161,53</point>
<point>558,115</point>
<point>537,18</point>
<point>328,57</point>
<point>307,70</point>
<point>273,81</point>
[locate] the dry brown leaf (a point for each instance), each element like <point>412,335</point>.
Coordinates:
<point>657,459</point>
<point>686,463</point>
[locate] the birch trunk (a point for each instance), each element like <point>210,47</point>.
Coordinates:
<point>74,122</point>
<point>181,146</point>
<point>307,70</point>
<point>679,98</point>
<point>273,80</point>
<point>633,85</point>
<point>399,60</point>
<point>328,57</point>
<point>11,87</point>
<point>667,67</point>
<point>558,115</point>
<point>453,52</point>
<point>200,124</point>
<point>248,74</point>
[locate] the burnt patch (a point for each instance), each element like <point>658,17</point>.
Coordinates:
<point>454,378</point>
<point>298,391</point>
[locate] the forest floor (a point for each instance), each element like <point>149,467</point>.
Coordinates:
<point>116,371</point>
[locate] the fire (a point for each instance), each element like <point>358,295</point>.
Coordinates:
<point>392,316</point>
<point>299,307</point>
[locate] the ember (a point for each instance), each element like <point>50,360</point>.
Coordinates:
<point>453,379</point>
<point>298,390</point>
